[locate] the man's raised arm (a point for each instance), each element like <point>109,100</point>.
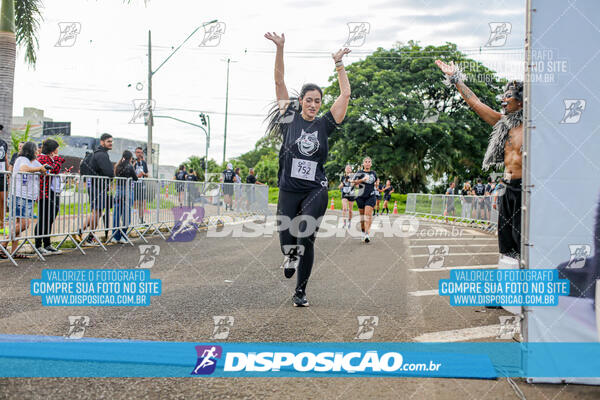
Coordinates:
<point>485,112</point>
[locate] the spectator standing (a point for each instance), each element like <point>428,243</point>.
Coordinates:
<point>479,202</point>
<point>180,175</point>
<point>98,189</point>
<point>26,188</point>
<point>250,192</point>
<point>123,205</point>
<point>13,158</point>
<point>3,179</point>
<point>139,187</point>
<point>466,200</point>
<point>227,179</point>
<point>450,192</point>
<point>49,203</point>
<point>237,189</point>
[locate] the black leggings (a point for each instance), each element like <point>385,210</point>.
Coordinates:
<point>291,205</point>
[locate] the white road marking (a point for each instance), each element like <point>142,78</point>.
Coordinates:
<point>460,335</point>
<point>419,246</point>
<point>492,239</point>
<point>450,268</point>
<point>419,293</point>
<point>458,254</point>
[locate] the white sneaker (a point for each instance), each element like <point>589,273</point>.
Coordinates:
<point>43,251</point>
<point>123,241</point>
<point>367,239</point>
<point>53,250</point>
<point>362,239</point>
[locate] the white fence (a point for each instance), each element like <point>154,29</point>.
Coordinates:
<point>476,210</point>
<point>36,210</point>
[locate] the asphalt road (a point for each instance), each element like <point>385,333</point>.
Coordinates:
<point>240,277</point>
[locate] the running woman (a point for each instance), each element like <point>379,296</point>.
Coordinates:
<point>378,190</point>
<point>301,176</point>
<point>347,195</point>
<point>387,195</point>
<point>365,179</point>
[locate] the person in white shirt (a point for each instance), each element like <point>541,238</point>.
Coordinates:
<point>26,188</point>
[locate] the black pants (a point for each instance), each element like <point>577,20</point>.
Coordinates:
<point>47,211</point>
<point>509,219</point>
<point>312,205</point>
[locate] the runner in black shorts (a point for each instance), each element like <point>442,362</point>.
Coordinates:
<point>347,195</point>
<point>365,180</point>
<point>387,195</point>
<point>378,188</point>
<point>301,176</point>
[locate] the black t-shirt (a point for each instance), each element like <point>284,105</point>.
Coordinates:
<point>181,175</point>
<point>228,176</point>
<point>251,179</point>
<point>479,189</point>
<point>303,152</point>
<point>488,188</point>
<point>3,153</point>
<point>387,191</point>
<point>191,177</point>
<point>366,189</point>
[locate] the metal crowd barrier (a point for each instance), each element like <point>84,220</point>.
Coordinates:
<point>79,209</point>
<point>479,211</point>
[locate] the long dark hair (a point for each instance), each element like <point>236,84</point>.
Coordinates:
<point>275,118</point>
<point>123,162</point>
<point>28,151</point>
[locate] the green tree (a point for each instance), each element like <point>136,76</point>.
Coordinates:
<point>266,170</point>
<point>392,90</point>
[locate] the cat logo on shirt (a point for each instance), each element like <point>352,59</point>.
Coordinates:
<point>308,143</point>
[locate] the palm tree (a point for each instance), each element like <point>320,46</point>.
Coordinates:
<point>19,23</point>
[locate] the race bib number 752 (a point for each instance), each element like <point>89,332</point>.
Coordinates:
<point>303,169</point>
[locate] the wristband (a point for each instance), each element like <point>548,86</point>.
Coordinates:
<point>453,79</point>
<point>339,64</point>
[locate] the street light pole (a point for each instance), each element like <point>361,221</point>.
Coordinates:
<point>151,73</point>
<point>149,105</point>
<point>226,106</point>
<point>207,133</point>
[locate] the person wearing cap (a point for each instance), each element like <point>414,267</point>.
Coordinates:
<point>227,179</point>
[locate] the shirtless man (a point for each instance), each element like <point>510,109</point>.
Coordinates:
<point>504,150</point>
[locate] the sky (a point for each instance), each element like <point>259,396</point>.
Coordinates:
<point>94,80</point>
